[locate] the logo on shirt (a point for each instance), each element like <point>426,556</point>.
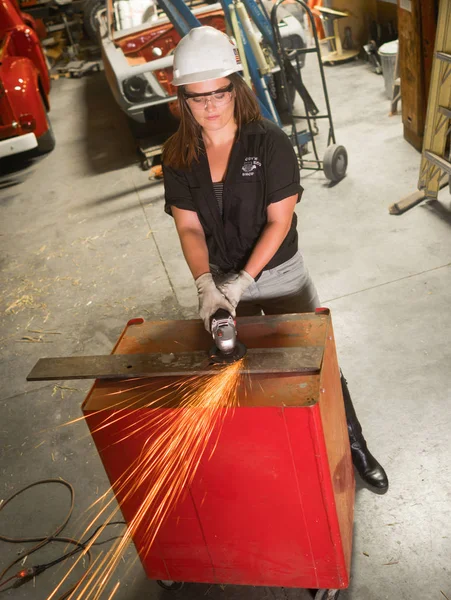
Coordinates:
<point>250,165</point>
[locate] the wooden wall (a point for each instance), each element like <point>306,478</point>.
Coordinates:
<point>362,13</point>
<point>386,11</point>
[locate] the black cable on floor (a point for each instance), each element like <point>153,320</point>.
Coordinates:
<point>25,575</point>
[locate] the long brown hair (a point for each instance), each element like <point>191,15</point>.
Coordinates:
<point>183,147</point>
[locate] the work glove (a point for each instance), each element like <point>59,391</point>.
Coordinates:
<point>210,299</point>
<point>234,287</point>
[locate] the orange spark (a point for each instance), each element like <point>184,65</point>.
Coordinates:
<point>176,442</point>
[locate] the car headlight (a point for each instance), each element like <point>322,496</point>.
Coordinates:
<point>136,88</point>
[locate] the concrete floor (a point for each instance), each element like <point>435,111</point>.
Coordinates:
<point>85,245</point>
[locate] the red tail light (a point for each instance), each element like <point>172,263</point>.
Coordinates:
<point>27,122</point>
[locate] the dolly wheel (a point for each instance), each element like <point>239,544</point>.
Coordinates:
<point>172,586</point>
<point>335,162</point>
<point>325,594</point>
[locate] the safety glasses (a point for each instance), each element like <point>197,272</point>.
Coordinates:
<point>217,98</point>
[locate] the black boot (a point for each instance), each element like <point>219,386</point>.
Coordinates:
<point>367,466</point>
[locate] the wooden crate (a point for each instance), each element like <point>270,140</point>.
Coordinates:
<point>416,27</point>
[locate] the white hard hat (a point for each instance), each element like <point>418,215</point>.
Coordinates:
<point>204,53</point>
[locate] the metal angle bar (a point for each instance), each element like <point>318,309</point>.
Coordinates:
<point>434,171</point>
<point>440,122</point>
<point>429,172</point>
<point>443,56</point>
<point>446,73</point>
<point>438,160</point>
<point>445,111</point>
<point>127,366</point>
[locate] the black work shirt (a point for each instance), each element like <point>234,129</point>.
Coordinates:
<point>262,169</point>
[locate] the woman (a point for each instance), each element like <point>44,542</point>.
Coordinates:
<point>231,183</point>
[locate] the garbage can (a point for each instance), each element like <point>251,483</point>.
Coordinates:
<point>387,53</point>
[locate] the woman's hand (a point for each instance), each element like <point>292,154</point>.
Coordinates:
<point>210,299</point>
<point>234,287</point>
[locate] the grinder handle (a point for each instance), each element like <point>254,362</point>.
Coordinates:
<point>221,313</point>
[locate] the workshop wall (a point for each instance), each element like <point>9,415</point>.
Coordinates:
<point>363,13</point>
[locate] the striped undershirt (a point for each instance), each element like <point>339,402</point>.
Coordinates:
<point>218,188</point>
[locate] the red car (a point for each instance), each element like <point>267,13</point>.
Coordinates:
<point>24,86</point>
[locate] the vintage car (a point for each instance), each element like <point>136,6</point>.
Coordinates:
<point>138,41</point>
<point>24,86</point>
<point>137,44</point>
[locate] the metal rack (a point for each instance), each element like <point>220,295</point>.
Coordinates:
<point>435,169</point>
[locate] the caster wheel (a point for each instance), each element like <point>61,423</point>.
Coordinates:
<point>335,162</point>
<point>325,594</point>
<point>171,586</point>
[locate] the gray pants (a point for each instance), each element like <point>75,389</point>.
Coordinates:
<point>285,289</point>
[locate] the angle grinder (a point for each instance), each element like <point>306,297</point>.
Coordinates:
<point>227,348</point>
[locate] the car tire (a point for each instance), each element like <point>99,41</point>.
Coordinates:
<point>90,10</point>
